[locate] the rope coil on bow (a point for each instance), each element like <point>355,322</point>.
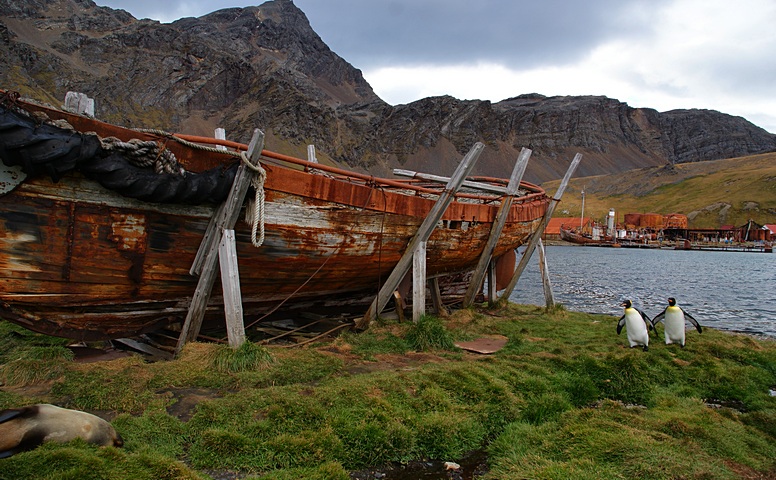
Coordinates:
<point>145,154</point>
<point>254,214</point>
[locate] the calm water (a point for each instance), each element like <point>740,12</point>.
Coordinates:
<point>724,290</point>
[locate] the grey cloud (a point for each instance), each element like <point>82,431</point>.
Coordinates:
<point>516,33</point>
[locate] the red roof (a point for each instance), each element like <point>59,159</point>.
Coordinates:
<point>553,226</point>
<point>771,227</point>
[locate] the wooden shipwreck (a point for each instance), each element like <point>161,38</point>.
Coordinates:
<point>100,226</point>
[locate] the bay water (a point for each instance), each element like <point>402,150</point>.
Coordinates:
<point>733,291</point>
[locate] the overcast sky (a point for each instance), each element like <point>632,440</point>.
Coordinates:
<point>661,54</point>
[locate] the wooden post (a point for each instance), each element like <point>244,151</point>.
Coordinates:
<point>230,282</point>
<point>224,218</point>
<point>537,235</point>
<point>492,291</point>
<point>210,240</point>
<point>497,227</point>
<point>485,187</point>
<point>549,298</point>
<point>419,282</point>
<point>399,301</point>
<point>311,154</point>
<point>220,134</point>
<point>424,231</point>
<point>79,103</point>
<point>436,297</point>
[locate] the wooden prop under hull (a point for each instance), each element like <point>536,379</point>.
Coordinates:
<point>81,261</point>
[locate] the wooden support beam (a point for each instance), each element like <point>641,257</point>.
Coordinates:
<point>230,282</point>
<point>498,225</point>
<point>311,154</point>
<point>436,297</point>
<point>224,218</point>
<point>400,305</point>
<point>549,298</point>
<point>419,282</point>
<point>422,235</point>
<point>436,178</point>
<point>537,235</point>
<point>220,134</point>
<point>145,348</point>
<point>207,241</point>
<point>213,232</point>
<point>79,103</point>
<point>492,290</point>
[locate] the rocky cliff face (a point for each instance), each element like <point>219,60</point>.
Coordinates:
<point>264,67</point>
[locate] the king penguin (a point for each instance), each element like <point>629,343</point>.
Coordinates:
<point>673,317</point>
<point>637,325</point>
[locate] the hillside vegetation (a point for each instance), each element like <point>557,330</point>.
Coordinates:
<point>565,398</point>
<point>711,194</point>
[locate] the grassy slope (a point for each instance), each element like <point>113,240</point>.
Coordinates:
<point>700,190</point>
<point>563,399</point>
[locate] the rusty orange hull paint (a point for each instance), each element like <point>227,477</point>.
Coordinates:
<point>80,261</point>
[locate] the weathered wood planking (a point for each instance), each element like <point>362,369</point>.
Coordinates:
<point>230,281</point>
<point>80,261</point>
<point>99,267</point>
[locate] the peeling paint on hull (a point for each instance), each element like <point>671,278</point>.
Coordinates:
<point>80,261</point>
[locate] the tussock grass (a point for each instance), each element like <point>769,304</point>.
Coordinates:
<point>369,344</point>
<point>565,398</point>
<point>79,460</point>
<point>28,358</point>
<point>247,357</point>
<point>35,364</point>
<point>429,333</point>
<point>617,441</point>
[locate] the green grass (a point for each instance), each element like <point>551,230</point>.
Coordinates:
<point>247,357</point>
<point>565,398</point>
<point>429,333</point>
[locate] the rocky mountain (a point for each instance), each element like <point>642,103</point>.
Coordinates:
<point>264,66</point>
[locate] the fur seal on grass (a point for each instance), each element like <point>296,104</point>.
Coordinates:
<point>637,325</point>
<point>25,428</point>
<point>673,317</point>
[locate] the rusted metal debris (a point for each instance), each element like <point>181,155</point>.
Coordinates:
<point>484,345</point>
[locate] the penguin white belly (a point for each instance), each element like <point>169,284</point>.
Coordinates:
<point>674,323</point>
<point>636,329</point>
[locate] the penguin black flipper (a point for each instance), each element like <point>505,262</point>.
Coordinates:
<point>693,321</point>
<point>659,317</point>
<point>620,324</point>
<point>647,320</point>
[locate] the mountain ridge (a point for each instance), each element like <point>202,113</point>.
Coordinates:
<point>265,67</point>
